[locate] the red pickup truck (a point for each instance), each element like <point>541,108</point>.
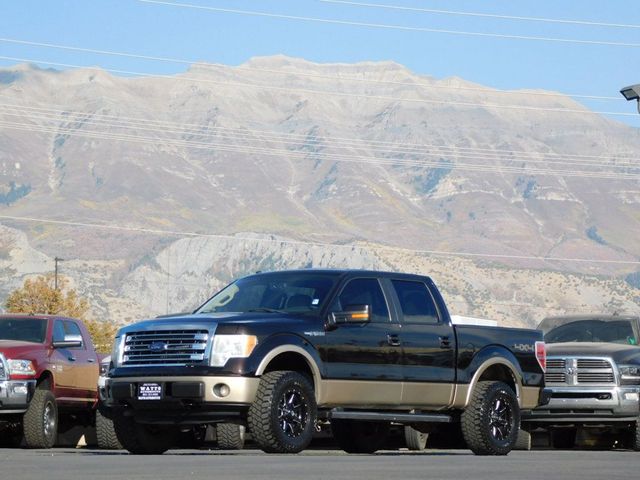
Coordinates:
<point>48,366</point>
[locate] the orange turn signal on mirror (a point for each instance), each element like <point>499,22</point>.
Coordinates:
<point>360,316</point>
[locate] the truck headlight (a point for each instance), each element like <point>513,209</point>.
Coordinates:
<point>4,374</point>
<point>116,352</point>
<point>231,346</point>
<point>629,374</point>
<point>21,367</point>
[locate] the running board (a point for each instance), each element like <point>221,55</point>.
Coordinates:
<point>389,416</point>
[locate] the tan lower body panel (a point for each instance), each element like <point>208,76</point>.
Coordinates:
<point>529,397</point>
<point>241,389</point>
<point>371,394</point>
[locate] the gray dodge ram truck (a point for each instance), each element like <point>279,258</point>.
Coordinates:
<point>281,352</point>
<point>593,374</point>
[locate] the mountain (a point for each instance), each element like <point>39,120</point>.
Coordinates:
<point>195,167</point>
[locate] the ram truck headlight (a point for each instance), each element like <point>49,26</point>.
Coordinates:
<point>629,374</point>
<point>19,367</point>
<point>231,346</point>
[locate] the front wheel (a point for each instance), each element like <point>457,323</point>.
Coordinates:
<point>230,436</point>
<point>283,416</point>
<point>491,421</point>
<point>106,433</point>
<point>415,440</point>
<point>40,422</point>
<point>142,439</point>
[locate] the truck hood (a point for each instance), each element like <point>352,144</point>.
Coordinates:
<point>18,349</point>
<point>209,320</point>
<point>619,352</point>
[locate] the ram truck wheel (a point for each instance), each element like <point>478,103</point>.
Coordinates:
<point>40,421</point>
<point>141,439</point>
<point>106,433</point>
<point>415,440</point>
<point>359,437</point>
<point>230,436</point>
<point>282,418</point>
<point>634,444</point>
<point>491,421</point>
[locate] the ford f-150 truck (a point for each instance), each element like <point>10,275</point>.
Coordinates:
<point>280,352</point>
<point>593,374</point>
<point>47,365</point>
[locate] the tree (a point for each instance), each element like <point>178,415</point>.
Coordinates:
<point>40,296</point>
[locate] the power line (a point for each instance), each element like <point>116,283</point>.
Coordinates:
<point>483,15</point>
<point>328,156</point>
<point>484,90</point>
<point>439,152</point>
<point>313,244</point>
<point>288,91</point>
<point>302,138</point>
<point>389,26</point>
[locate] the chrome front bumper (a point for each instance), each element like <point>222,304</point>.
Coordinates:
<point>15,395</point>
<point>588,405</point>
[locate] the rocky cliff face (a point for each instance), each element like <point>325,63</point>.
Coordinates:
<point>328,154</point>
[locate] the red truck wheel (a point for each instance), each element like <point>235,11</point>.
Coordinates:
<point>40,422</point>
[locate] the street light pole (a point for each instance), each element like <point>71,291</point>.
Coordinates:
<point>55,276</point>
<point>632,92</point>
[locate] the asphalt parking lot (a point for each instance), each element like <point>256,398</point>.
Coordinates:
<point>86,463</point>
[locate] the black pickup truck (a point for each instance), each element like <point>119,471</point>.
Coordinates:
<point>283,352</point>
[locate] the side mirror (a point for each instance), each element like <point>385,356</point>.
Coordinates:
<point>351,314</point>
<point>70,341</point>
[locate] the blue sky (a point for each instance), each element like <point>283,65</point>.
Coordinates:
<point>133,26</point>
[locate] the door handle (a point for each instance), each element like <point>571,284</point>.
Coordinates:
<point>445,342</point>
<point>91,360</point>
<point>71,358</point>
<point>393,340</point>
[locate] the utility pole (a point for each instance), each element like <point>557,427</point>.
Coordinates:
<point>55,276</point>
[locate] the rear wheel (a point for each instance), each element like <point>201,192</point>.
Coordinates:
<point>491,421</point>
<point>634,440</point>
<point>282,418</point>
<point>142,439</point>
<point>40,422</point>
<point>359,437</point>
<point>414,439</point>
<point>106,433</point>
<point>230,436</point>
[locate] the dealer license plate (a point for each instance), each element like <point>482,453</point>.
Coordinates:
<point>149,391</point>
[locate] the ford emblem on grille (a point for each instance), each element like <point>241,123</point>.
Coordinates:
<point>158,346</point>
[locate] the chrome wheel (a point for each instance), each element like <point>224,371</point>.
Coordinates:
<point>293,414</point>
<point>48,420</point>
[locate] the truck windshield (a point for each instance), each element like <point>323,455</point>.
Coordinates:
<point>593,330</point>
<point>23,329</point>
<point>290,292</point>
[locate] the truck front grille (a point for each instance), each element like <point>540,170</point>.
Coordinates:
<point>571,371</point>
<point>165,347</point>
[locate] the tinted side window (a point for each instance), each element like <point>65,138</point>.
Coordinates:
<point>363,291</point>
<point>71,328</point>
<point>416,302</point>
<point>58,331</point>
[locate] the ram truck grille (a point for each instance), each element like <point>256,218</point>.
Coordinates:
<point>571,371</point>
<point>165,347</point>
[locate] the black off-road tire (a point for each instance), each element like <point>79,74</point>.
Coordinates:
<point>282,418</point>
<point>524,441</point>
<point>141,439</point>
<point>359,437</point>
<point>491,421</point>
<point>40,421</point>
<point>106,433</point>
<point>230,436</point>
<point>415,440</point>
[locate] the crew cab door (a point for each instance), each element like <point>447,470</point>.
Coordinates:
<point>428,345</point>
<point>363,360</point>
